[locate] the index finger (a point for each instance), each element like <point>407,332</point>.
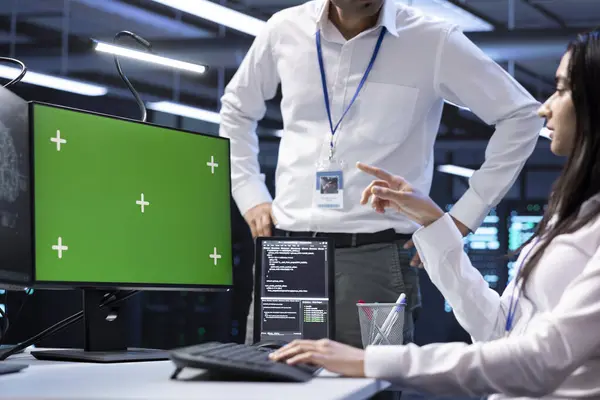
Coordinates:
<point>377,172</point>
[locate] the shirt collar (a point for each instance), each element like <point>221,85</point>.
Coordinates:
<point>387,17</point>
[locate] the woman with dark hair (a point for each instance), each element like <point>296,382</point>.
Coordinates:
<point>542,336</point>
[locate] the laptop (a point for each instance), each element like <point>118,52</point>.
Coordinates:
<point>293,290</point>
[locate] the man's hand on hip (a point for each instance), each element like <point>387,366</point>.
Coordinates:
<point>259,219</point>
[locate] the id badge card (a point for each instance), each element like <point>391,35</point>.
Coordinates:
<point>329,190</point>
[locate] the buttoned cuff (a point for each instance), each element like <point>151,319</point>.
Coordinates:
<point>385,362</point>
<point>434,241</point>
<point>471,210</point>
<point>251,194</point>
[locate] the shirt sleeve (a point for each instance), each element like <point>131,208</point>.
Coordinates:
<point>534,364</point>
<point>466,76</point>
<point>243,104</point>
<point>441,248</point>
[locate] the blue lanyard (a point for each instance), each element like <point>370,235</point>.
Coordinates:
<point>512,311</point>
<point>360,85</point>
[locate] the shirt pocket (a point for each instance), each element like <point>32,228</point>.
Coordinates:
<point>385,112</point>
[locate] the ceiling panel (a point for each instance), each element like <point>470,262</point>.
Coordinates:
<point>525,15</point>
<point>29,6</point>
<point>102,18</point>
<point>5,37</point>
<point>546,67</point>
<point>575,12</point>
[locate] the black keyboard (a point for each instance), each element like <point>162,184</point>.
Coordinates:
<point>239,362</point>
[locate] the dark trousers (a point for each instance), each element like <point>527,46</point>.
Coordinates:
<point>373,273</point>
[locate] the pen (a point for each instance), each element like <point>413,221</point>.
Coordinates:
<point>391,318</point>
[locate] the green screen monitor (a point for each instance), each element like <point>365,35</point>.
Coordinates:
<point>123,204</point>
<point>120,204</point>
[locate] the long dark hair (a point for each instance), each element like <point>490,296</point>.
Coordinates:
<point>580,178</point>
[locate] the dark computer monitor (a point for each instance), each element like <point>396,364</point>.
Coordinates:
<point>522,222</point>
<point>486,250</point>
<point>16,257</point>
<point>294,289</point>
<point>120,204</point>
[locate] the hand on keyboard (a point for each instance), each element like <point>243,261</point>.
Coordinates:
<point>335,357</point>
<point>239,361</point>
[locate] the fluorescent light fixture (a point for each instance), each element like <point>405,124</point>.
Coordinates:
<point>54,82</point>
<point>456,170</point>
<point>545,132</point>
<point>185,111</point>
<point>151,58</point>
<point>218,14</point>
<point>451,13</point>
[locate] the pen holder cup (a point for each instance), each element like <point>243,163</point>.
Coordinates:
<point>381,323</point>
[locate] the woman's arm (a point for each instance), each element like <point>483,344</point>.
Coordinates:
<point>479,309</point>
<point>533,364</point>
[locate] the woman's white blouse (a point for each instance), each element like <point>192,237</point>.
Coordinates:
<point>553,349</point>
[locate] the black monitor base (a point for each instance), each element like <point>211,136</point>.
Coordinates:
<point>129,355</point>
<point>105,334</point>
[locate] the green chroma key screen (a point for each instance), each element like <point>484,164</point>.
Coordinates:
<point>118,202</point>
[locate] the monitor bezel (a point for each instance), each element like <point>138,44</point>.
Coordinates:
<point>258,274</point>
<point>110,285</point>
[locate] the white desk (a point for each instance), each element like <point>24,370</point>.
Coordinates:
<point>150,380</point>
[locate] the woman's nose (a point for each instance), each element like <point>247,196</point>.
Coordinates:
<point>544,110</point>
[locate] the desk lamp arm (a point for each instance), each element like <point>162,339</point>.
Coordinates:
<point>148,47</point>
<point>21,74</point>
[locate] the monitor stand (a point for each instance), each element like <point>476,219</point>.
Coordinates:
<point>105,337</point>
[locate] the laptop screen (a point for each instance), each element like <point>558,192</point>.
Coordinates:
<point>294,284</point>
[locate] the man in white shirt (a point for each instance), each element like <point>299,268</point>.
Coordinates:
<point>365,80</point>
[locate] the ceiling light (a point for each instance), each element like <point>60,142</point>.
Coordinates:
<point>185,111</point>
<point>452,13</point>
<point>54,82</point>
<point>218,14</point>
<point>456,170</point>
<point>143,56</point>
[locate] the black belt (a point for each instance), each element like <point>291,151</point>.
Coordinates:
<point>351,239</point>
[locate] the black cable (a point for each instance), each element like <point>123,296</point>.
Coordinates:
<point>48,332</point>
<point>148,47</point>
<point>111,300</point>
<point>21,75</point>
